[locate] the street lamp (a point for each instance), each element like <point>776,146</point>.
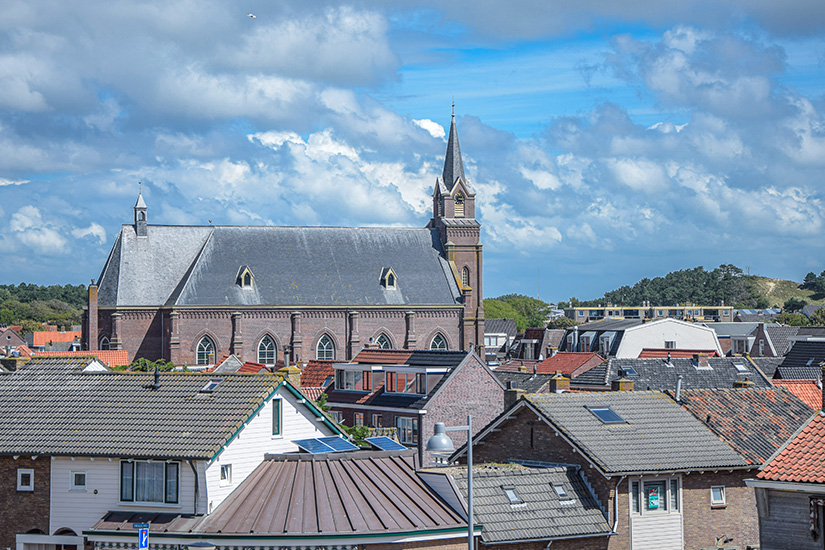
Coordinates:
<point>439,442</point>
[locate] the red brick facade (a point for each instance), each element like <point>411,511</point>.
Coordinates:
<point>23,511</point>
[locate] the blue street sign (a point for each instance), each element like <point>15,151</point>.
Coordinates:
<point>140,526</point>
<point>143,539</point>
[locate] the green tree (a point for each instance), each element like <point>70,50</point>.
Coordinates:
<point>145,365</point>
<point>818,318</point>
<point>793,305</point>
<point>791,319</point>
<point>562,323</point>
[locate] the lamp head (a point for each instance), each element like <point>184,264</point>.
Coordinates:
<point>439,442</point>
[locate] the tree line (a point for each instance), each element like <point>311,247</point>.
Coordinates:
<point>31,305</point>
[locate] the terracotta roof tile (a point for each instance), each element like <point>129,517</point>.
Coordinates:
<point>570,363</point>
<point>317,374</point>
<point>806,390</point>
<point>43,337</point>
<point>111,358</point>
<point>312,392</point>
<point>397,357</point>
<point>252,368</point>
<point>803,458</point>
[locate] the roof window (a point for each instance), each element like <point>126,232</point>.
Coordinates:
<point>244,279</point>
<point>741,367</point>
<point>627,371</point>
<point>388,278</point>
<point>512,496</point>
<point>211,386</point>
<point>561,491</point>
<point>607,415</point>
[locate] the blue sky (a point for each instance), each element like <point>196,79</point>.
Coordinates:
<point>606,141</point>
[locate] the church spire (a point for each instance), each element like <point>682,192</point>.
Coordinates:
<point>453,167</point>
<point>140,215</point>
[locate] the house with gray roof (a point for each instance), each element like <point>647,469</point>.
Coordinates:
<point>346,501</point>
<point>80,441</point>
<point>192,294</point>
<point>533,505</point>
<point>652,465</point>
<point>699,372</point>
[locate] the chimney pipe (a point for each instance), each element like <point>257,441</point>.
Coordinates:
<point>679,389</point>
<point>156,385</point>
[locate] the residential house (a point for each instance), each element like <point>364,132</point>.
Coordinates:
<point>536,344</point>
<point>809,391</point>
<point>110,358</point>
<point>765,340</point>
<point>411,390</point>
<point>629,338</point>
<point>533,506</point>
<point>650,463</point>
<point>648,311</point>
<point>700,372</point>
<point>803,360</point>
<point>809,310</point>
<point>790,491</point>
<point>191,294</point>
<point>79,442</point>
<point>755,315</point>
<point>499,335</point>
<point>726,333</point>
<point>53,340</point>
<point>360,500</point>
<point>9,340</point>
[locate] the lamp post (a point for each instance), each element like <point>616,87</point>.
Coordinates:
<point>439,442</point>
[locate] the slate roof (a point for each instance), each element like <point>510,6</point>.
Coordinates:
<point>656,374</point>
<point>810,309</point>
<point>812,372</point>
<point>802,459</point>
<point>302,496</point>
<point>767,365</point>
<point>806,390</point>
<point>527,381</point>
<point>731,329</point>
<point>780,337</point>
<point>501,326</point>
<point>658,435</point>
<point>543,516</point>
<point>292,266</point>
<point>754,421</point>
<point>453,165</point>
<point>805,354</point>
<point>52,408</point>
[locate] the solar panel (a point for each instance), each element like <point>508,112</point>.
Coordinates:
<point>385,443</point>
<point>314,446</point>
<point>338,444</point>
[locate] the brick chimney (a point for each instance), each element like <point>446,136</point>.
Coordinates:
<point>558,383</point>
<point>701,360</point>
<point>745,383</point>
<point>621,384</point>
<point>511,396</point>
<point>292,375</point>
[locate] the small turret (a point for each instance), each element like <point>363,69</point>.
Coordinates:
<point>140,216</point>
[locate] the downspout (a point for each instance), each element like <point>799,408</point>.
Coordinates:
<point>197,490</point>
<point>616,506</point>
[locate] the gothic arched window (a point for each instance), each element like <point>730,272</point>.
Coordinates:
<point>383,341</point>
<point>266,351</point>
<point>325,350</point>
<point>206,351</point>
<point>438,342</point>
<point>104,344</point>
<point>465,277</point>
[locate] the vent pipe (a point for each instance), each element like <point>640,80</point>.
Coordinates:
<point>679,389</point>
<point>156,384</point>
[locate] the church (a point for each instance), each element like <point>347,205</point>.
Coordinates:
<point>193,294</point>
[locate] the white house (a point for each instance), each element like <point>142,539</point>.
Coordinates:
<point>121,442</point>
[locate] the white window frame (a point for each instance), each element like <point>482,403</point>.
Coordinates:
<point>203,351</point>
<point>226,475</point>
<point>383,341</point>
<point>25,487</point>
<point>377,420</point>
<point>666,501</point>
<point>73,486</point>
<point>718,503</point>
<point>328,351</point>
<point>438,347</point>
<point>670,344</point>
<point>264,350</point>
<point>407,427</point>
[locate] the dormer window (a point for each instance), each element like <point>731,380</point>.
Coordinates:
<point>389,279</point>
<point>244,279</point>
<point>459,206</point>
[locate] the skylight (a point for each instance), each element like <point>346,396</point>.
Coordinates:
<point>212,385</point>
<point>627,371</point>
<point>740,367</point>
<point>607,415</point>
<point>512,496</point>
<point>560,490</point>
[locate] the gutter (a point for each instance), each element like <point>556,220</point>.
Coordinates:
<point>616,506</point>
<point>197,488</point>
<point>791,486</point>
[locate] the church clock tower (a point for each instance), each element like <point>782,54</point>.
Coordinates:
<point>454,217</point>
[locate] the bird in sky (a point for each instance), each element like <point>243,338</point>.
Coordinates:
<point>250,15</point>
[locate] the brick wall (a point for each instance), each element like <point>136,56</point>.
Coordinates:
<point>738,519</point>
<point>447,544</point>
<point>588,543</point>
<point>23,511</point>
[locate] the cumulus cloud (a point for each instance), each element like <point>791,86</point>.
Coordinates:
<point>94,230</point>
<point>29,227</point>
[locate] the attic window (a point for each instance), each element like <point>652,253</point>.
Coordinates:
<point>512,496</point>
<point>560,490</point>
<point>607,415</point>
<point>740,367</point>
<point>212,385</point>
<point>627,371</point>
<point>388,278</point>
<point>244,279</point>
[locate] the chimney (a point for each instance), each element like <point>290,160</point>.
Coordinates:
<point>292,375</point>
<point>553,351</point>
<point>679,389</point>
<point>746,383</point>
<point>622,383</point>
<point>512,396</point>
<point>701,360</point>
<point>559,383</point>
<point>92,334</point>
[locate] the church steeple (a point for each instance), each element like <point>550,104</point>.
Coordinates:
<point>453,166</point>
<point>140,215</point>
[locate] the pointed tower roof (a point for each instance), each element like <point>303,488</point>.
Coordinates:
<point>140,203</point>
<point>453,167</point>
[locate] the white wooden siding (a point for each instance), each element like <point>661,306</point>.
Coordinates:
<point>79,510</point>
<point>247,450</point>
<point>656,532</point>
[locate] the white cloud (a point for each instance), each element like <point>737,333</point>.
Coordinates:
<point>94,230</point>
<point>30,228</point>
<point>4,181</point>
<point>435,129</point>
